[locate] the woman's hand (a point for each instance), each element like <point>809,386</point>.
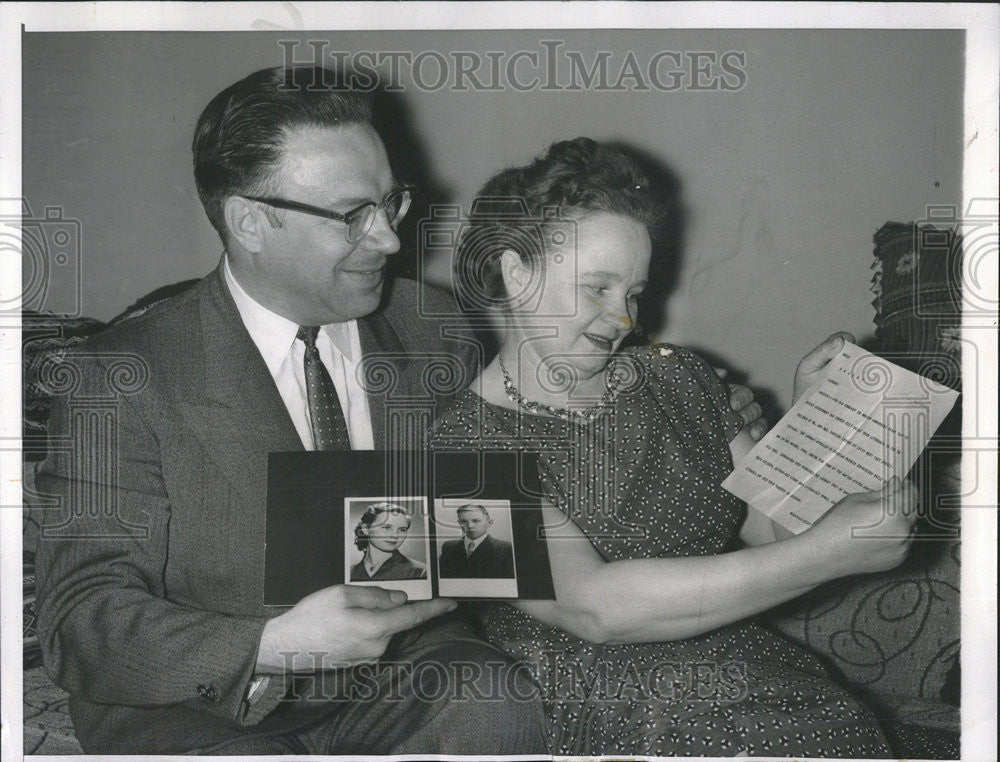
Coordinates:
<point>741,400</point>
<point>812,364</point>
<point>868,531</point>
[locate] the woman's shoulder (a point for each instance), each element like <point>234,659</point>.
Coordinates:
<point>358,572</point>
<point>405,560</point>
<point>686,379</point>
<point>466,416</point>
<point>666,359</point>
<point>457,411</point>
<point>409,568</point>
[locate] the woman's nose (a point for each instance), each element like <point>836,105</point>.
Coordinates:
<point>620,314</point>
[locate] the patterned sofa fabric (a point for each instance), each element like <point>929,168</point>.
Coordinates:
<point>894,639</point>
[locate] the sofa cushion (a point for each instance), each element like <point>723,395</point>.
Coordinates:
<point>895,637</point>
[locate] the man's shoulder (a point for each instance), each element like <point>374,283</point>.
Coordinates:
<point>499,544</point>
<point>408,299</point>
<point>159,343</point>
<point>165,322</point>
<point>427,319</point>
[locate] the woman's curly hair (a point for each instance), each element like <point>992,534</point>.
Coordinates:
<point>523,208</point>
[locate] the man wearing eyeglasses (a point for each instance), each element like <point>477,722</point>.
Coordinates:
<point>158,630</point>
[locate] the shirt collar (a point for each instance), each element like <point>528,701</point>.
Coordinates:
<point>477,542</point>
<point>274,334</point>
<point>372,568</point>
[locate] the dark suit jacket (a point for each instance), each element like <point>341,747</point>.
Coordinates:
<point>150,589</point>
<point>492,558</point>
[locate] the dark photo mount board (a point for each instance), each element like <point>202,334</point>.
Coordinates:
<point>305,518</point>
<point>305,536</point>
<point>511,476</point>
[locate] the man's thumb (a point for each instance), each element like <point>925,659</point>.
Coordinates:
<point>356,596</point>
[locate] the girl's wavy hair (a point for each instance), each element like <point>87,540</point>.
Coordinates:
<point>525,208</point>
<point>368,518</point>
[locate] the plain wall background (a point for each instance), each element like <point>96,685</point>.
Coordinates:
<point>783,183</point>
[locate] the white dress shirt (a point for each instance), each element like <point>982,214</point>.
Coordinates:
<point>339,346</point>
<point>471,545</point>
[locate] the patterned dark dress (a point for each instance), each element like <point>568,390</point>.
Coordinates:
<point>643,481</point>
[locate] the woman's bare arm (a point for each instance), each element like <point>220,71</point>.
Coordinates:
<point>655,599</point>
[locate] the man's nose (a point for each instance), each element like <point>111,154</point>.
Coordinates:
<point>382,238</point>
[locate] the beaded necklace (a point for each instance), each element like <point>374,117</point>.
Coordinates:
<point>611,383</point>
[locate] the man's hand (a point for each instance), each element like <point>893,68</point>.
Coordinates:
<point>868,531</point>
<point>340,626</point>
<point>741,400</point>
<point>813,363</point>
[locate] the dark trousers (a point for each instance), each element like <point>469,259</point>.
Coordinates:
<point>439,689</point>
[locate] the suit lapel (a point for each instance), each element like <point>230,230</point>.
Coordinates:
<point>384,361</point>
<point>483,549</point>
<point>240,416</point>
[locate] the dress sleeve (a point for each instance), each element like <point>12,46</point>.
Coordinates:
<point>693,370</point>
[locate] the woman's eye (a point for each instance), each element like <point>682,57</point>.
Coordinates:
<point>599,290</point>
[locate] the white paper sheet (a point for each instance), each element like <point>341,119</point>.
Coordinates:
<point>862,422</point>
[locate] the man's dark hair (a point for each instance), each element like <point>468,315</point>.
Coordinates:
<point>239,136</point>
<point>473,507</point>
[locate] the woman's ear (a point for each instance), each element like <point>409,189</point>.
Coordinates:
<point>244,221</point>
<point>516,274</point>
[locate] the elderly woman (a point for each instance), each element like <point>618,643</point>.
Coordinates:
<point>379,533</point>
<point>650,646</point>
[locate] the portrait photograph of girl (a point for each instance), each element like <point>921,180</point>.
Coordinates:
<point>388,541</point>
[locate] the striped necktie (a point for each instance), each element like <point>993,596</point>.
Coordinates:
<point>326,416</point>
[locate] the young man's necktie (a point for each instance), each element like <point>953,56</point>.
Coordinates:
<point>329,428</point>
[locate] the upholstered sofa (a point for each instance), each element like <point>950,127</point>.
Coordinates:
<point>892,638</point>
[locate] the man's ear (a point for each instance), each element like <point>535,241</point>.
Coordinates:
<point>516,274</point>
<point>244,221</point>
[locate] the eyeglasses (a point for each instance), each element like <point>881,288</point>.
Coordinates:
<point>359,221</point>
